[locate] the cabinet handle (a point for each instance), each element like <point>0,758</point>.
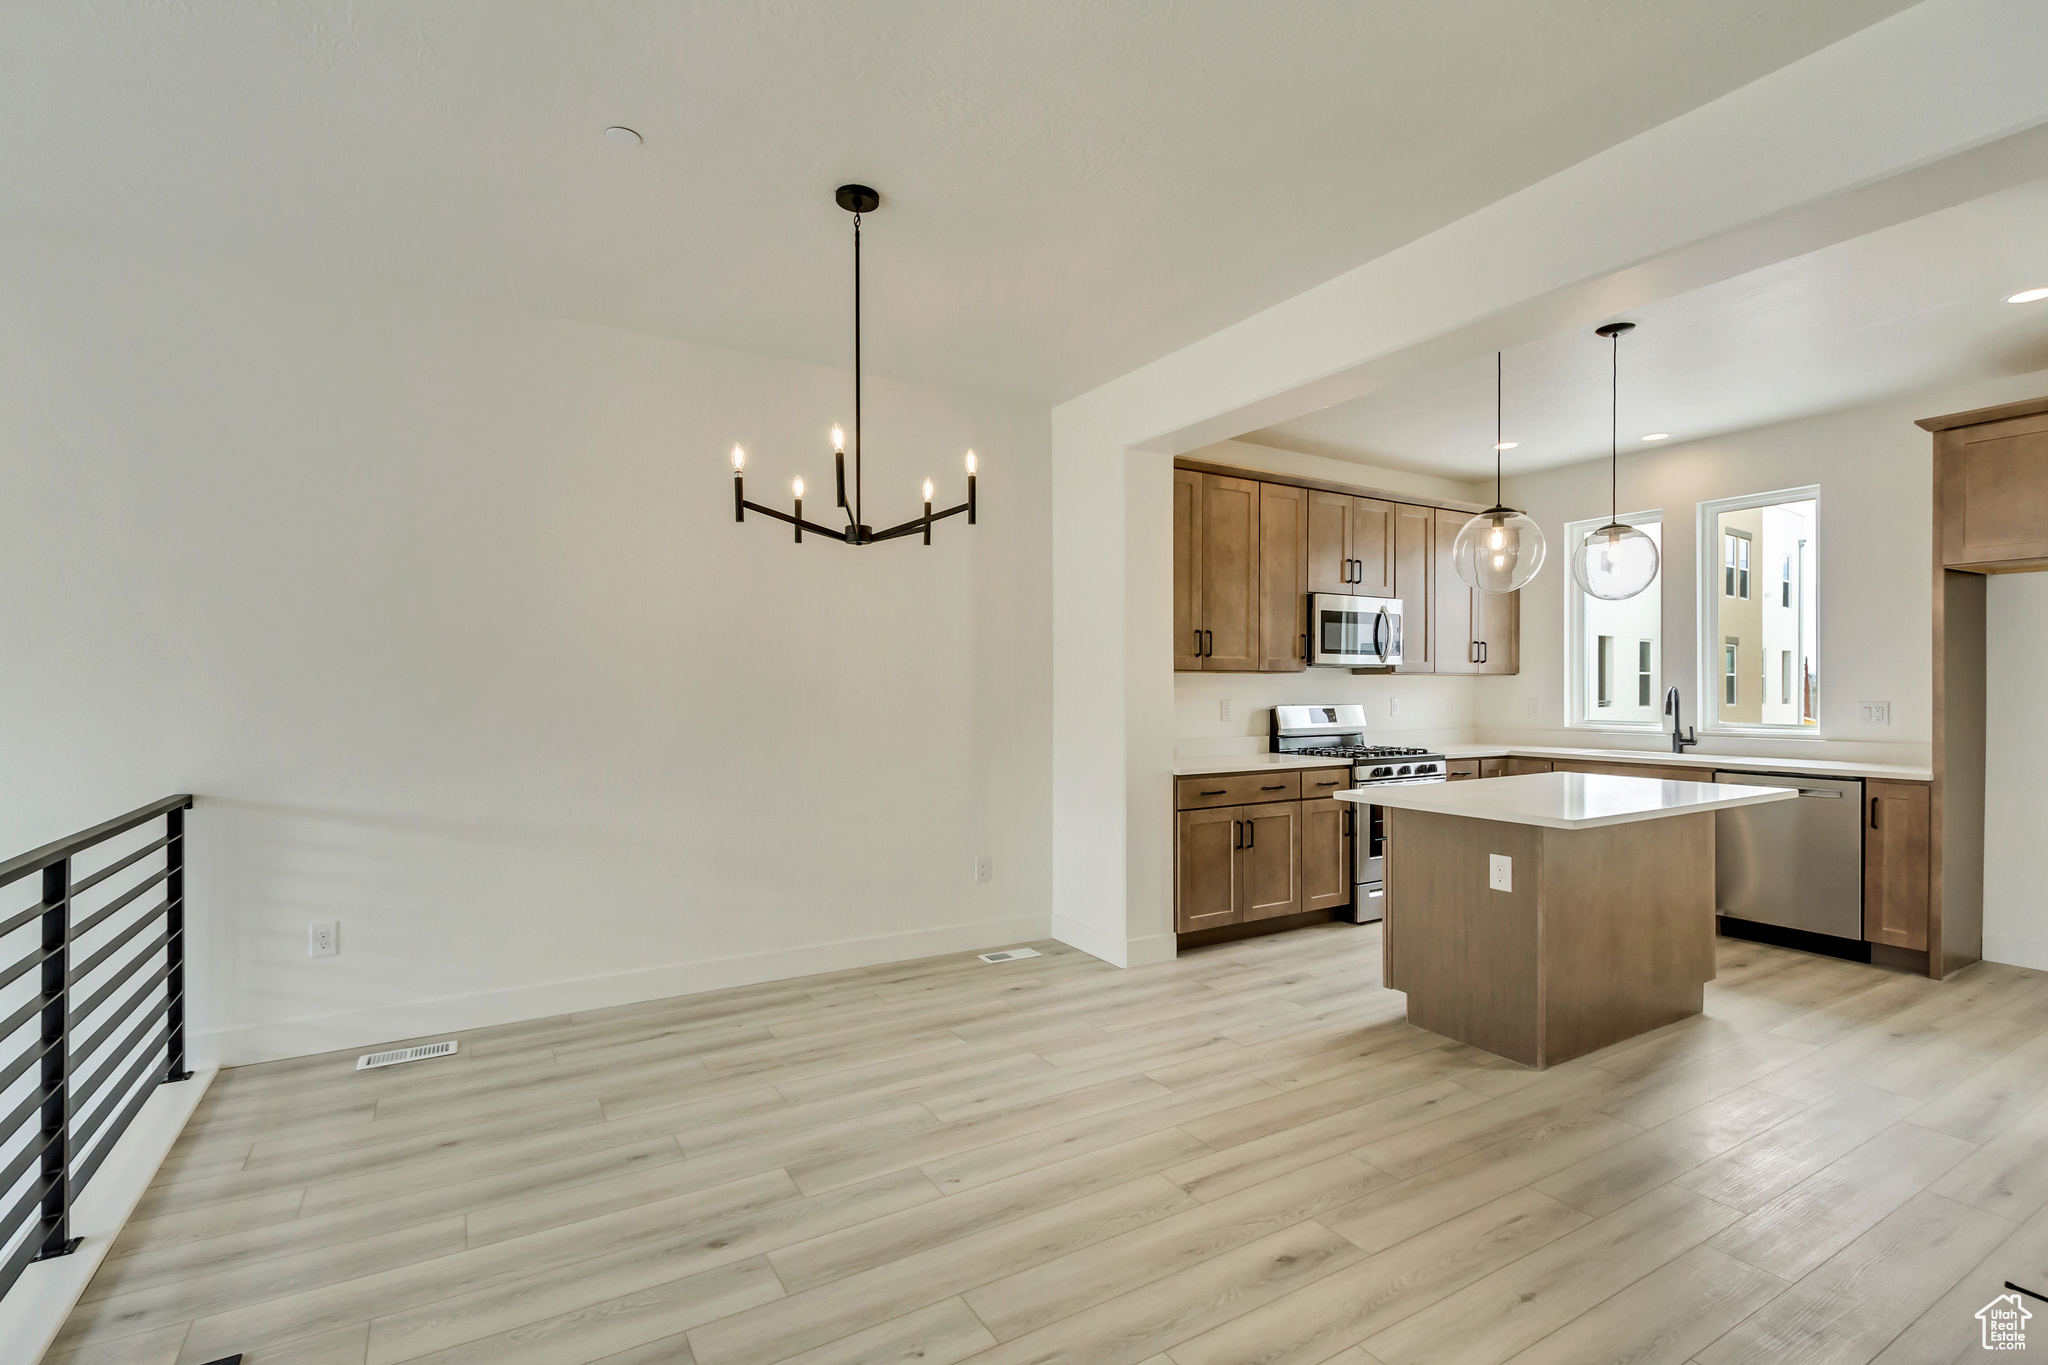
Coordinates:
<point>1331,783</point>
<point>1281,788</point>
<point>1220,791</point>
<point>1472,652</point>
<point>1873,812</point>
<point>1304,647</point>
<point>1198,644</point>
<point>1237,834</point>
<point>1208,644</point>
<point>1251,835</point>
<point>1482,651</point>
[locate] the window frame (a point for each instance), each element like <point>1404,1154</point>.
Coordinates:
<point>1707,649</point>
<point>1579,714</point>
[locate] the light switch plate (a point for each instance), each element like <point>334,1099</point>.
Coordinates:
<point>1874,712</point>
<point>984,868</point>
<point>1223,709</point>
<point>1500,872</point>
<point>1393,706</point>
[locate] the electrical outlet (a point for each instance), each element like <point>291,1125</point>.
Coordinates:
<point>1500,872</point>
<point>984,868</point>
<point>1874,712</point>
<point>1223,709</point>
<point>1393,706</point>
<point>1534,706</point>
<point>323,938</point>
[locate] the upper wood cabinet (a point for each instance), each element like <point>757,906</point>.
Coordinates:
<point>1187,550</point>
<point>1994,494</point>
<point>1476,632</point>
<point>1415,585</point>
<point>1283,578</point>
<point>1895,864</point>
<point>1216,572</point>
<point>1350,545</point>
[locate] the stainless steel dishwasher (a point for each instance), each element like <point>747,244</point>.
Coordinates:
<point>1797,864</point>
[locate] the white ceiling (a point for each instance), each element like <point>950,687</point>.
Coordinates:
<point>1913,305</point>
<point>1072,188</point>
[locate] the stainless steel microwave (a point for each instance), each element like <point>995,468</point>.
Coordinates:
<point>1353,632</point>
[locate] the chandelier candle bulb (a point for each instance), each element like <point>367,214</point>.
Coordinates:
<point>739,484</point>
<point>796,486</point>
<point>927,511</point>
<point>839,464</point>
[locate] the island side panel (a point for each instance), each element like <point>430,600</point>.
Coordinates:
<point>1466,955</point>
<point>1627,930</point>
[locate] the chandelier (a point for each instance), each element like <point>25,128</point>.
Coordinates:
<point>856,200</point>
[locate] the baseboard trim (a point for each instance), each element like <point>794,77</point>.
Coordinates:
<point>1117,952</point>
<point>452,1014</point>
<point>2016,951</point>
<point>35,1309</point>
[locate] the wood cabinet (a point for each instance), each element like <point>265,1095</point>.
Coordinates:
<point>1415,585</point>
<point>1994,495</point>
<point>1476,632</point>
<point>1205,868</point>
<point>1216,572</point>
<point>1325,841</point>
<point>1656,771</point>
<point>1283,578</point>
<point>1493,767</point>
<point>1260,845</point>
<point>1895,864</point>
<point>1247,552</point>
<point>1515,767</point>
<point>1350,545</point>
<point>1461,769</point>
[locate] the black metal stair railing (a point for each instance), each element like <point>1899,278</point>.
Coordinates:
<point>92,1014</point>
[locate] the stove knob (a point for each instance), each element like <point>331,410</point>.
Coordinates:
<point>1380,772</point>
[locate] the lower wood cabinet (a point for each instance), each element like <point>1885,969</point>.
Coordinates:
<point>1515,767</point>
<point>1272,854</point>
<point>1325,853</point>
<point>1656,772</point>
<point>1895,864</point>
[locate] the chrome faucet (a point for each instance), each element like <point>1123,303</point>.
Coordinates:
<point>1679,738</point>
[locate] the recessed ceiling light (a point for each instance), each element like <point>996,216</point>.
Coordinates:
<point>1658,436</point>
<point>2027,296</point>
<point>622,137</point>
<point>1505,445</point>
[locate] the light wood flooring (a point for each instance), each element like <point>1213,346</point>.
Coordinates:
<point>1242,1156</point>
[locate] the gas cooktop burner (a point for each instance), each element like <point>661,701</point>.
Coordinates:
<point>1362,751</point>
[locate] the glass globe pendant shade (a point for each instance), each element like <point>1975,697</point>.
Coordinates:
<point>1615,563</point>
<point>1499,550</point>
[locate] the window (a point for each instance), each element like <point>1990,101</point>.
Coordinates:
<point>1735,563</point>
<point>1616,648</point>
<point>1761,650</point>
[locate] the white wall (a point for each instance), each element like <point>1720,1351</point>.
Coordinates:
<point>2015,796</point>
<point>1875,586</point>
<point>442,612</point>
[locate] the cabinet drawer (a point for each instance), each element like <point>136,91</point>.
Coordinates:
<point>1323,782</point>
<point>1462,769</point>
<point>1237,789</point>
<point>1654,771</point>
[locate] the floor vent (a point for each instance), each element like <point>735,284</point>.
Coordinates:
<point>404,1054</point>
<point>1009,955</point>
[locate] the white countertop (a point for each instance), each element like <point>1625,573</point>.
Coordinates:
<point>1813,767</point>
<point>1567,800</point>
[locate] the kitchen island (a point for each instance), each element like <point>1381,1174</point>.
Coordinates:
<point>1546,916</point>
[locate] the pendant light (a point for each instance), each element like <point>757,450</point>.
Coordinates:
<point>856,200</point>
<point>1615,562</point>
<point>1500,549</point>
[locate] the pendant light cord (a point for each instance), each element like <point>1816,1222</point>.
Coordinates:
<point>1614,431</point>
<point>856,371</point>
<point>1496,427</point>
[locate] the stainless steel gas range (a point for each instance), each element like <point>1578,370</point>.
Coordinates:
<point>1339,732</point>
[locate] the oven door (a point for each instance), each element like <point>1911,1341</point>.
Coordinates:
<point>1354,632</point>
<point>1369,837</point>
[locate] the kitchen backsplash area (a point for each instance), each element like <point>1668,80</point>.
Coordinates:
<point>1415,709</point>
